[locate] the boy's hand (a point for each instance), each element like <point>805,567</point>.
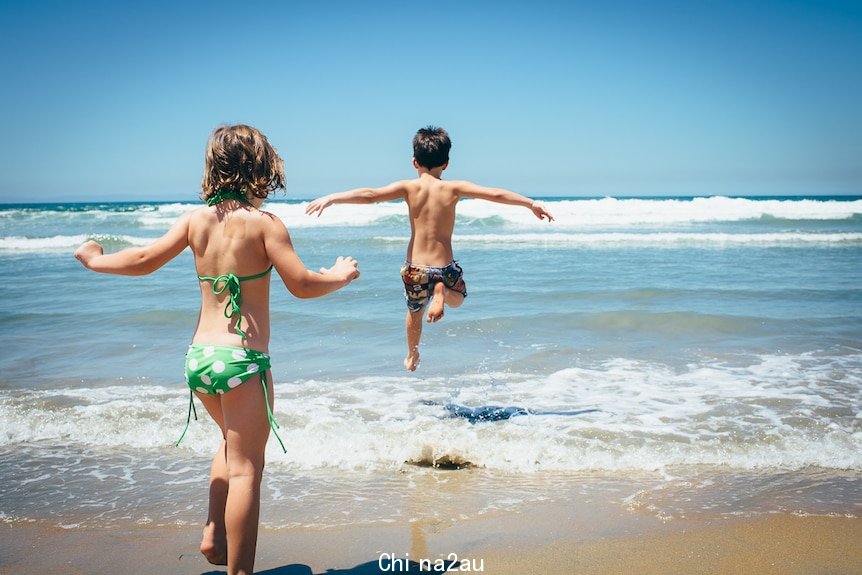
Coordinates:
<point>88,250</point>
<point>541,212</point>
<point>317,206</point>
<point>347,267</point>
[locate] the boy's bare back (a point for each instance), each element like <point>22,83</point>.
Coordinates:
<point>431,208</point>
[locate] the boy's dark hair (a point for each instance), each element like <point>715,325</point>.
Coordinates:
<point>240,158</point>
<point>431,147</point>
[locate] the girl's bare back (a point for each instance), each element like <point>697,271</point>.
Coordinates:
<point>230,240</point>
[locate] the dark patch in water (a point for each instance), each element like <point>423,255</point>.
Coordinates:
<point>486,413</point>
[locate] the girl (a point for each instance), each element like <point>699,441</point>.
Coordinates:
<point>235,246</point>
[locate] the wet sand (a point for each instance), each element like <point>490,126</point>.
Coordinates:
<point>542,540</point>
<point>779,545</point>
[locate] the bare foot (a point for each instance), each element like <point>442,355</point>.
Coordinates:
<point>435,308</point>
<point>411,362</point>
<point>214,546</point>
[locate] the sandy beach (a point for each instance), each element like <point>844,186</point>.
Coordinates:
<point>540,541</point>
<point>589,532</point>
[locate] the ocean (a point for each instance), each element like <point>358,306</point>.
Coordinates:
<point>674,357</point>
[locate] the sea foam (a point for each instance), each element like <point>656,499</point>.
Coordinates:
<point>612,415</point>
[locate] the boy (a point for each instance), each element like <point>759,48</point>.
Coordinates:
<point>430,270</point>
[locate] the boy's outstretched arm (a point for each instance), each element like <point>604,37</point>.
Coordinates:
<point>302,282</point>
<point>501,196</point>
<point>137,261</point>
<point>393,191</point>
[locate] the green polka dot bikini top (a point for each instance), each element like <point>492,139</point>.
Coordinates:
<point>230,282</point>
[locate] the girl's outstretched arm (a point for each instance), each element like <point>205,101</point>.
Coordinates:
<point>137,261</point>
<point>300,281</point>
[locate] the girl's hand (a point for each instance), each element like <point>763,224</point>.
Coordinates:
<point>88,250</point>
<point>346,267</point>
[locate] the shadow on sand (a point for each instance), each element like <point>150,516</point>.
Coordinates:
<point>369,568</point>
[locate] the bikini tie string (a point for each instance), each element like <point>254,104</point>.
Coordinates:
<point>222,194</point>
<point>189,418</point>
<point>230,283</point>
<point>273,424</point>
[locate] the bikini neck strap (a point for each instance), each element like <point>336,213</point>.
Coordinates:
<point>223,194</point>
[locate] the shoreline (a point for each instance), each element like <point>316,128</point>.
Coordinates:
<point>543,539</point>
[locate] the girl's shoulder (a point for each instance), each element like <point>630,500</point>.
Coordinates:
<point>269,218</point>
<point>251,220</point>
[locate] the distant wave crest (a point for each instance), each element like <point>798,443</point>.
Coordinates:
<point>578,222</point>
<point>604,212</point>
<point>651,239</point>
<point>570,211</point>
<point>62,243</point>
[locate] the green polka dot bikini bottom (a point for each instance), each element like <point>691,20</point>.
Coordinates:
<point>216,369</point>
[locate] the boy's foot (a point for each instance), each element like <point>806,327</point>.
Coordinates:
<point>435,308</point>
<point>411,362</point>
<point>214,548</point>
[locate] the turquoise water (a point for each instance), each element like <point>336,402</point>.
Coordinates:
<point>692,337</point>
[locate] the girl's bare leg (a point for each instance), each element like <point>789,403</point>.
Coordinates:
<point>214,541</point>
<point>247,429</point>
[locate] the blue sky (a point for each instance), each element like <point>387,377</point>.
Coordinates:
<point>115,101</point>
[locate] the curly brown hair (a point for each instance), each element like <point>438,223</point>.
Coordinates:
<point>240,158</point>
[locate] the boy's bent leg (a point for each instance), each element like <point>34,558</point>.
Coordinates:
<point>437,306</point>
<point>456,293</point>
<point>454,298</point>
<point>443,296</point>
<point>414,335</point>
<point>247,429</point>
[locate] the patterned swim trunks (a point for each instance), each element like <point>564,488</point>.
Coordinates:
<point>419,282</point>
